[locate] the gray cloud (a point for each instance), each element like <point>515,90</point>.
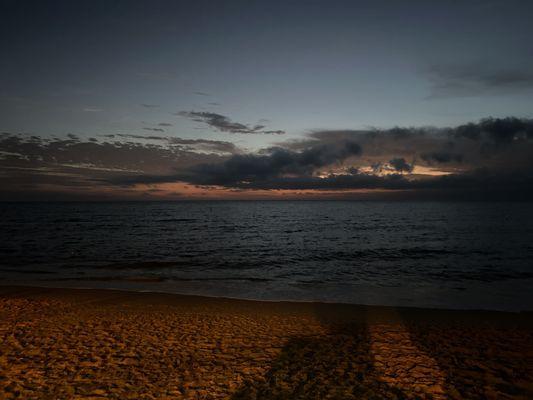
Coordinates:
<point>273,163</point>
<point>164,124</point>
<point>499,131</point>
<point>149,105</point>
<point>224,124</point>
<point>492,158</point>
<point>491,142</point>
<point>476,80</point>
<point>154,129</point>
<point>132,136</point>
<point>441,157</point>
<point>21,151</point>
<point>400,165</point>
<point>205,145</point>
<point>474,185</point>
<point>30,164</point>
<point>507,167</point>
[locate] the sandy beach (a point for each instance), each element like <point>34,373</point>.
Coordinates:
<point>91,344</point>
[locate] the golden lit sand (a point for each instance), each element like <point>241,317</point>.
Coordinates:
<point>74,344</point>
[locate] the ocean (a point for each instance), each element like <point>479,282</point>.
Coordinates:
<point>465,255</point>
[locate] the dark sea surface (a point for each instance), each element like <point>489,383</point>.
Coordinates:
<point>452,255</point>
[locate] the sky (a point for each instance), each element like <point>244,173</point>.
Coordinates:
<point>164,100</point>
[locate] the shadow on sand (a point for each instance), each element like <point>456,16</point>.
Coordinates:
<point>483,355</point>
<point>397,354</point>
<point>337,365</point>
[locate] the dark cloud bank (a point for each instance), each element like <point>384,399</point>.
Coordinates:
<point>491,159</point>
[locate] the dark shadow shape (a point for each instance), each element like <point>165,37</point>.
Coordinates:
<point>484,355</point>
<point>338,365</point>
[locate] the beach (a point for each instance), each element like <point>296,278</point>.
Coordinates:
<point>76,343</point>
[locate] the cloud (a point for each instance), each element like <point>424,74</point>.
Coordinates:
<point>216,146</point>
<point>224,124</point>
<point>474,185</point>
<point>400,165</point>
<point>499,131</point>
<point>477,80</point>
<point>491,158</point>
<point>149,105</point>
<point>132,136</point>
<point>490,142</point>
<point>164,124</point>
<point>92,109</point>
<point>441,157</point>
<point>274,132</point>
<point>32,164</point>
<point>154,129</point>
<point>274,163</point>
<point>377,159</point>
<point>36,152</point>
<point>201,94</point>
<point>204,145</point>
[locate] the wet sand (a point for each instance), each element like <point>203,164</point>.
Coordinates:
<point>74,344</point>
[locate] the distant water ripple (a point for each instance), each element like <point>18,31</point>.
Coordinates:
<point>459,255</point>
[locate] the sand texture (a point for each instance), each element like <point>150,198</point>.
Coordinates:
<point>94,344</point>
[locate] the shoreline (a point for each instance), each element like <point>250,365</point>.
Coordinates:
<point>259,300</point>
